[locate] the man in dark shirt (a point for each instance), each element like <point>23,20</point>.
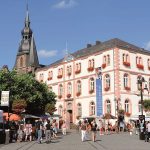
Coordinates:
<point>48,132</point>
<point>39,126</point>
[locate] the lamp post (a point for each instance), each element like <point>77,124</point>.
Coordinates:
<point>141,117</point>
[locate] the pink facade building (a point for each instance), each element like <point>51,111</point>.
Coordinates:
<point>73,79</point>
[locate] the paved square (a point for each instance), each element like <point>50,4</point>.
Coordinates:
<point>72,141</point>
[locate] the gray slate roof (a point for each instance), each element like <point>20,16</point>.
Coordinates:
<point>103,46</point>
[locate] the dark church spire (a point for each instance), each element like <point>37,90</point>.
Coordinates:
<point>27,19</point>
<point>27,58</point>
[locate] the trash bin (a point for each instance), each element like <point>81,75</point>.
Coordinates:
<point>7,136</point>
<point>2,136</point>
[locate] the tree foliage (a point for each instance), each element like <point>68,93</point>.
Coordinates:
<point>19,106</point>
<point>25,87</point>
<point>50,108</point>
<point>146,105</point>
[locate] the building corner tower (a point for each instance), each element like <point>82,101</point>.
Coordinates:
<point>27,58</point>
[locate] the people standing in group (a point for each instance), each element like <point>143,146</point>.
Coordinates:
<point>64,128</point>
<point>94,130</point>
<point>83,130</point>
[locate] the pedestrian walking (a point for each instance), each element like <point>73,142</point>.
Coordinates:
<point>83,130</point>
<point>94,130</point>
<point>39,129</point>
<point>64,128</point>
<point>48,132</point>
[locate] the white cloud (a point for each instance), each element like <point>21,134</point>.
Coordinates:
<point>147,46</point>
<point>44,53</point>
<point>63,4</point>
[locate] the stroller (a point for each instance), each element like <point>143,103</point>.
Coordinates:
<point>146,135</point>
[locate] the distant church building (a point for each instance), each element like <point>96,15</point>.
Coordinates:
<point>27,58</point>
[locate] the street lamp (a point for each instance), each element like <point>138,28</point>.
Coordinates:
<point>141,80</point>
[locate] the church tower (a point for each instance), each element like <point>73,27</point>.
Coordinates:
<point>27,58</point>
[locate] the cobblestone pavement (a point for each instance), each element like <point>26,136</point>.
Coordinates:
<point>72,141</point>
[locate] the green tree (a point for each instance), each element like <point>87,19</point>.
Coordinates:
<point>26,87</point>
<point>146,105</point>
<point>50,108</point>
<point>19,106</point>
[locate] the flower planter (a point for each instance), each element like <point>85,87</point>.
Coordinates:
<point>127,88</point>
<point>127,114</point>
<point>59,76</point>
<point>77,71</point>
<point>126,64</point>
<point>91,91</point>
<point>104,65</point>
<point>90,69</point>
<point>68,95</point>
<point>106,88</point>
<point>59,96</point>
<point>140,66</point>
<point>78,93</point>
<point>49,78</point>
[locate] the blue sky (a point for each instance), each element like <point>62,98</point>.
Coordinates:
<point>76,21</point>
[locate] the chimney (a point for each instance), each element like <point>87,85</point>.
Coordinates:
<point>89,45</point>
<point>98,42</point>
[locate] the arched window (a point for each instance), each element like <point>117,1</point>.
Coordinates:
<point>123,57</point>
<point>107,81</point>
<point>60,110</point>
<point>149,83</point>
<point>60,92</point>
<point>126,106</point>
<point>78,86</point>
<point>69,88</point>
<point>127,58</point>
<point>108,60</point>
<point>140,60</point>
<point>92,85</point>
<point>79,110</point>
<point>41,78</point>
<point>92,108</point>
<point>126,80</point>
<point>92,63</point>
<point>89,63</point>
<point>139,106</point>
<point>50,88</point>
<point>108,106</point>
<point>138,78</point>
<point>148,62</point>
<point>137,60</point>
<point>21,62</point>
<point>104,60</point>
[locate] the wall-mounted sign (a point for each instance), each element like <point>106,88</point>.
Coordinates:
<point>5,98</point>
